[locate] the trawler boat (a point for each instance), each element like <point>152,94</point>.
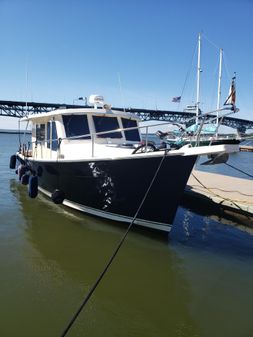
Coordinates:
<point>86,158</point>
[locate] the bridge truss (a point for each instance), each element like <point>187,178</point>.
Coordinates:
<point>20,109</point>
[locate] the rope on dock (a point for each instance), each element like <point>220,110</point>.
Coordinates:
<point>226,191</point>
<point>227,199</point>
<point>217,195</point>
<point>92,289</point>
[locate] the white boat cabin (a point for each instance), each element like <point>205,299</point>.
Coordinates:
<point>82,133</point>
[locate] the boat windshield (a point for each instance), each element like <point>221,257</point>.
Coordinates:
<point>131,135</point>
<point>103,124</point>
<point>76,125</point>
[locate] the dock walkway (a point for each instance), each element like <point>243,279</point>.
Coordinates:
<point>246,148</point>
<point>226,191</point>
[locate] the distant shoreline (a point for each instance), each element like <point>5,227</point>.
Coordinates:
<point>11,131</point>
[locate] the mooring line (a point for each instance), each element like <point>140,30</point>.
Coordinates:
<point>237,169</point>
<point>217,195</point>
<point>92,289</point>
<point>226,191</point>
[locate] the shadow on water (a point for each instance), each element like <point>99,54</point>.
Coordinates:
<point>218,213</point>
<point>210,228</point>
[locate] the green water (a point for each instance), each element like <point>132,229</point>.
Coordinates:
<point>198,283</point>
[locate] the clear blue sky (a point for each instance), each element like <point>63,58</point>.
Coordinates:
<point>76,48</point>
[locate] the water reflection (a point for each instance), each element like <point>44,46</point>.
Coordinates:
<point>213,233</point>
<point>217,213</point>
<point>217,264</point>
<point>199,284</point>
<point>144,293</point>
<point>105,185</point>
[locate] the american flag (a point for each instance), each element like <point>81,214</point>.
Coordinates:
<point>232,94</point>
<point>176,99</point>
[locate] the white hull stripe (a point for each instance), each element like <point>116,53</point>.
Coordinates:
<point>112,216</point>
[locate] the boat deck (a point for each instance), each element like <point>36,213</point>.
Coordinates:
<point>228,192</point>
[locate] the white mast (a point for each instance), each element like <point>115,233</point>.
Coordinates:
<point>198,80</point>
<point>219,86</point>
<point>26,108</point>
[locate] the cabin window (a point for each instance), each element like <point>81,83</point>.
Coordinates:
<point>40,132</point>
<point>76,125</point>
<point>52,136</point>
<point>103,123</point>
<point>48,135</point>
<point>131,135</point>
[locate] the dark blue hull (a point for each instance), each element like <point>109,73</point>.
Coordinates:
<point>115,188</point>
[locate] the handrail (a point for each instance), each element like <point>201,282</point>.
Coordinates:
<point>93,135</point>
<point>103,132</point>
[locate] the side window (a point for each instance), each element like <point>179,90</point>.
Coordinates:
<point>54,137</point>
<point>107,124</point>
<point>76,125</point>
<point>40,132</point>
<point>34,130</point>
<point>48,135</point>
<point>131,135</point>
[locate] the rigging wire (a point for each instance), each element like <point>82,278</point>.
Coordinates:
<point>211,42</point>
<point>237,169</point>
<point>188,73</point>
<point>121,93</point>
<point>100,277</point>
<point>212,98</point>
<point>228,72</point>
<point>216,68</point>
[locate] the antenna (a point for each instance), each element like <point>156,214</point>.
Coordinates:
<point>121,92</point>
<point>26,103</point>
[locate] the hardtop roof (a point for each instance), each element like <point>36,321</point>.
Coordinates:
<point>80,111</point>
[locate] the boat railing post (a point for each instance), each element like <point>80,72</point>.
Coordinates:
<point>41,150</point>
<point>92,144</point>
<point>146,139</point>
<point>59,141</point>
<point>199,130</point>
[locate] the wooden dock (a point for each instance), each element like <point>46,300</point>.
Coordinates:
<point>224,191</point>
<point>246,148</point>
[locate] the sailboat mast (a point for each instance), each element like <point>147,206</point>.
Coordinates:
<point>219,86</point>
<point>198,81</point>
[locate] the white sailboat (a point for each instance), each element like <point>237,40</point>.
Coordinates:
<point>204,129</point>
